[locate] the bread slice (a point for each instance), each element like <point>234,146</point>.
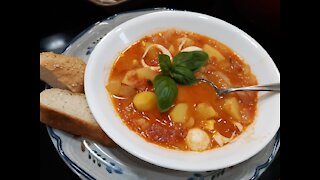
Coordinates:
<point>68,111</point>
<point>62,71</point>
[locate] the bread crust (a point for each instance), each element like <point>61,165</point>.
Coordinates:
<point>73,125</point>
<point>62,71</point>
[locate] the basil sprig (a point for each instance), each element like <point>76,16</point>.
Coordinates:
<point>192,60</point>
<point>166,91</point>
<point>183,75</point>
<point>180,71</point>
<point>165,63</point>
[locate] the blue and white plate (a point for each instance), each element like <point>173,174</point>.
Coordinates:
<point>93,161</point>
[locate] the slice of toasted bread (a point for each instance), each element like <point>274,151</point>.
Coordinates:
<point>68,111</point>
<point>62,71</point>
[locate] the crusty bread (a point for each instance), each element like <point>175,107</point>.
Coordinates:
<point>68,111</point>
<point>62,71</point>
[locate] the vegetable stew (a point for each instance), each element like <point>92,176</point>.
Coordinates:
<point>153,88</point>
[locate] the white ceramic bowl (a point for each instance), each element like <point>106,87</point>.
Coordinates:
<point>248,144</point>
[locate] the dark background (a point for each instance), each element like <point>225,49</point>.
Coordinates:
<point>65,19</point>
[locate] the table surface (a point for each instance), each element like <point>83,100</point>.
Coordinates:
<point>65,19</point>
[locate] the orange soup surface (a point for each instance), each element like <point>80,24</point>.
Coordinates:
<point>199,119</point>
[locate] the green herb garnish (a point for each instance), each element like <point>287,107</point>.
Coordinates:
<point>180,71</point>
<point>192,60</point>
<point>165,64</point>
<point>166,91</point>
<point>183,75</point>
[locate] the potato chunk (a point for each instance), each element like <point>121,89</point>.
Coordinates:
<point>184,42</point>
<point>138,77</point>
<point>142,123</point>
<point>213,52</point>
<point>206,111</point>
<point>197,139</point>
<point>126,91</point>
<point>114,87</point>
<point>145,101</point>
<point>223,79</point>
<point>146,73</point>
<point>190,122</point>
<point>209,125</point>
<point>179,113</point>
<point>231,106</point>
<point>130,78</point>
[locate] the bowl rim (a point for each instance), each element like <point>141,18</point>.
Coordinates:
<point>89,95</point>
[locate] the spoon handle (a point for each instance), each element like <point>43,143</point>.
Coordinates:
<point>268,87</point>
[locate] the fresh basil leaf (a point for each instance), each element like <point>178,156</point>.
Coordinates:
<point>165,63</point>
<point>193,60</point>
<point>183,75</point>
<point>166,91</point>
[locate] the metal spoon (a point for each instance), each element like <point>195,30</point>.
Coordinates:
<point>268,87</point>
